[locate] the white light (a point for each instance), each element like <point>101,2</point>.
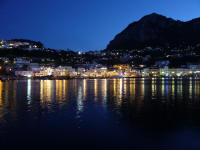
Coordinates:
<point>29,76</point>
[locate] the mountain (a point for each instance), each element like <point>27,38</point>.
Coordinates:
<point>155,30</point>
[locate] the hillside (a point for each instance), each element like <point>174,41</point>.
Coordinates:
<point>155,30</point>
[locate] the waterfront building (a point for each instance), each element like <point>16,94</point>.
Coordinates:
<point>24,73</point>
<point>60,71</point>
<point>44,71</point>
<point>113,73</point>
<point>34,67</point>
<point>71,71</point>
<point>80,71</point>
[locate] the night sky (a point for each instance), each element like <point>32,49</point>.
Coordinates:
<point>82,24</point>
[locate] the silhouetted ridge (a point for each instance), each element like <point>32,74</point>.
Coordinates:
<point>156,30</point>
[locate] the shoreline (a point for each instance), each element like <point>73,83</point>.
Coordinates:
<point>88,78</point>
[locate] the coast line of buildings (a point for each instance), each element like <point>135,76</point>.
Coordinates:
<point>24,68</point>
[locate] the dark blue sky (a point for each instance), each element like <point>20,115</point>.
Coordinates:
<point>82,24</point>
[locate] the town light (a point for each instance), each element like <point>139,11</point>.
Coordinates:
<point>29,76</point>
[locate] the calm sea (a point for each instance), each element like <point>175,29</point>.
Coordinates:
<point>157,114</point>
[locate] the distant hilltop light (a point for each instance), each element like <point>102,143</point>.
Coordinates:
<point>21,44</point>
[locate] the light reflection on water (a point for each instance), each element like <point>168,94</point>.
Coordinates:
<point>119,90</point>
<point>109,105</point>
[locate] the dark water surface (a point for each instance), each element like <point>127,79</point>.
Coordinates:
<point>157,114</point>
